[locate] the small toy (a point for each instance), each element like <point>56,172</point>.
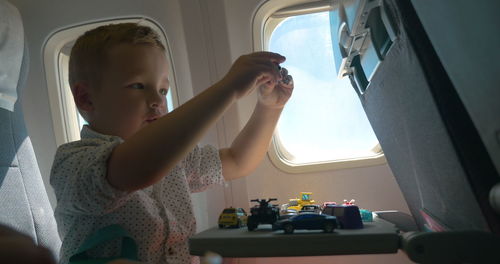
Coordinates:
<point>286,79</point>
<point>366,215</point>
<point>264,213</point>
<point>283,208</point>
<point>233,217</point>
<point>351,202</point>
<point>307,221</point>
<point>297,204</point>
<point>288,213</point>
<point>310,208</point>
<point>325,204</point>
<point>348,216</point>
<point>292,205</point>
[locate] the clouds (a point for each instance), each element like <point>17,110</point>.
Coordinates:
<point>324,119</point>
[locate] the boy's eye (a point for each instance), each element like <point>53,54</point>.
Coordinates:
<point>137,86</point>
<point>163,91</point>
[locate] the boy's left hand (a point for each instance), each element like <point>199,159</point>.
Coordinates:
<point>275,94</point>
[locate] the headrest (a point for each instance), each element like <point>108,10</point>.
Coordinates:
<point>11,53</point>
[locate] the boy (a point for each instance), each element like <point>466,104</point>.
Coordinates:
<point>136,165</point>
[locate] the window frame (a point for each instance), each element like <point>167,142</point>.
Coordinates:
<point>268,16</point>
<point>63,109</point>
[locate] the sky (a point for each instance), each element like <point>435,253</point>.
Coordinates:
<point>324,118</point>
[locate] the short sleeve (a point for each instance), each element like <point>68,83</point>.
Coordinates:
<point>203,168</point>
<point>79,177</point>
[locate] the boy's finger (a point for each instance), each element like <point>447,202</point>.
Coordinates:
<point>265,66</point>
<point>262,79</point>
<point>274,57</point>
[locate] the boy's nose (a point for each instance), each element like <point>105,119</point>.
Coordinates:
<point>155,100</point>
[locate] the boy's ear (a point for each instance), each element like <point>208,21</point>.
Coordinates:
<point>81,95</point>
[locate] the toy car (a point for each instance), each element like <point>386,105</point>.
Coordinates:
<point>310,208</point>
<point>296,203</point>
<point>348,216</point>
<point>351,202</point>
<point>307,221</point>
<point>325,204</point>
<point>233,217</point>
<point>284,208</point>
<point>288,213</point>
<point>366,215</point>
<point>264,213</point>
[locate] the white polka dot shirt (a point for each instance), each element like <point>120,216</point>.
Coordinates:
<point>160,218</point>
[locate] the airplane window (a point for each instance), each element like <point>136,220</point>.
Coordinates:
<point>63,66</point>
<point>324,122</point>
<point>66,119</point>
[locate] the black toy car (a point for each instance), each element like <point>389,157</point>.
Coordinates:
<point>310,221</point>
<point>264,213</point>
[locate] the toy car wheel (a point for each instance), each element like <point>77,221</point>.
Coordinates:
<point>221,226</point>
<point>328,227</point>
<point>274,218</point>
<point>251,227</point>
<point>238,225</point>
<point>288,228</point>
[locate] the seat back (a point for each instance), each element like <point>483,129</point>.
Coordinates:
<point>430,139</point>
<point>24,204</point>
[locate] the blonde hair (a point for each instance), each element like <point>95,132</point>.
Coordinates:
<point>88,54</point>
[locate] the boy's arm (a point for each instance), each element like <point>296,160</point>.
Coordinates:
<point>251,144</point>
<point>152,152</point>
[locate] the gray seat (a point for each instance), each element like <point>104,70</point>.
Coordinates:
<point>24,204</point>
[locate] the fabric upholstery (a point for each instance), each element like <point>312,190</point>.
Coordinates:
<point>412,132</point>
<point>24,204</point>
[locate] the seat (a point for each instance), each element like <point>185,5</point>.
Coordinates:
<point>24,204</point>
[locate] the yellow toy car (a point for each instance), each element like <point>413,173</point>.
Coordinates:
<point>233,217</point>
<point>296,204</point>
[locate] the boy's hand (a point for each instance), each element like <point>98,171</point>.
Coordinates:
<point>18,248</point>
<point>275,95</point>
<point>253,70</point>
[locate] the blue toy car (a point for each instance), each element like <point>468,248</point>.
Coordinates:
<point>307,221</point>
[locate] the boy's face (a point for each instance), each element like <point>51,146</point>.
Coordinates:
<point>131,93</point>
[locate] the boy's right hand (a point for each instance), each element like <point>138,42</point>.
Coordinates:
<point>251,71</point>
